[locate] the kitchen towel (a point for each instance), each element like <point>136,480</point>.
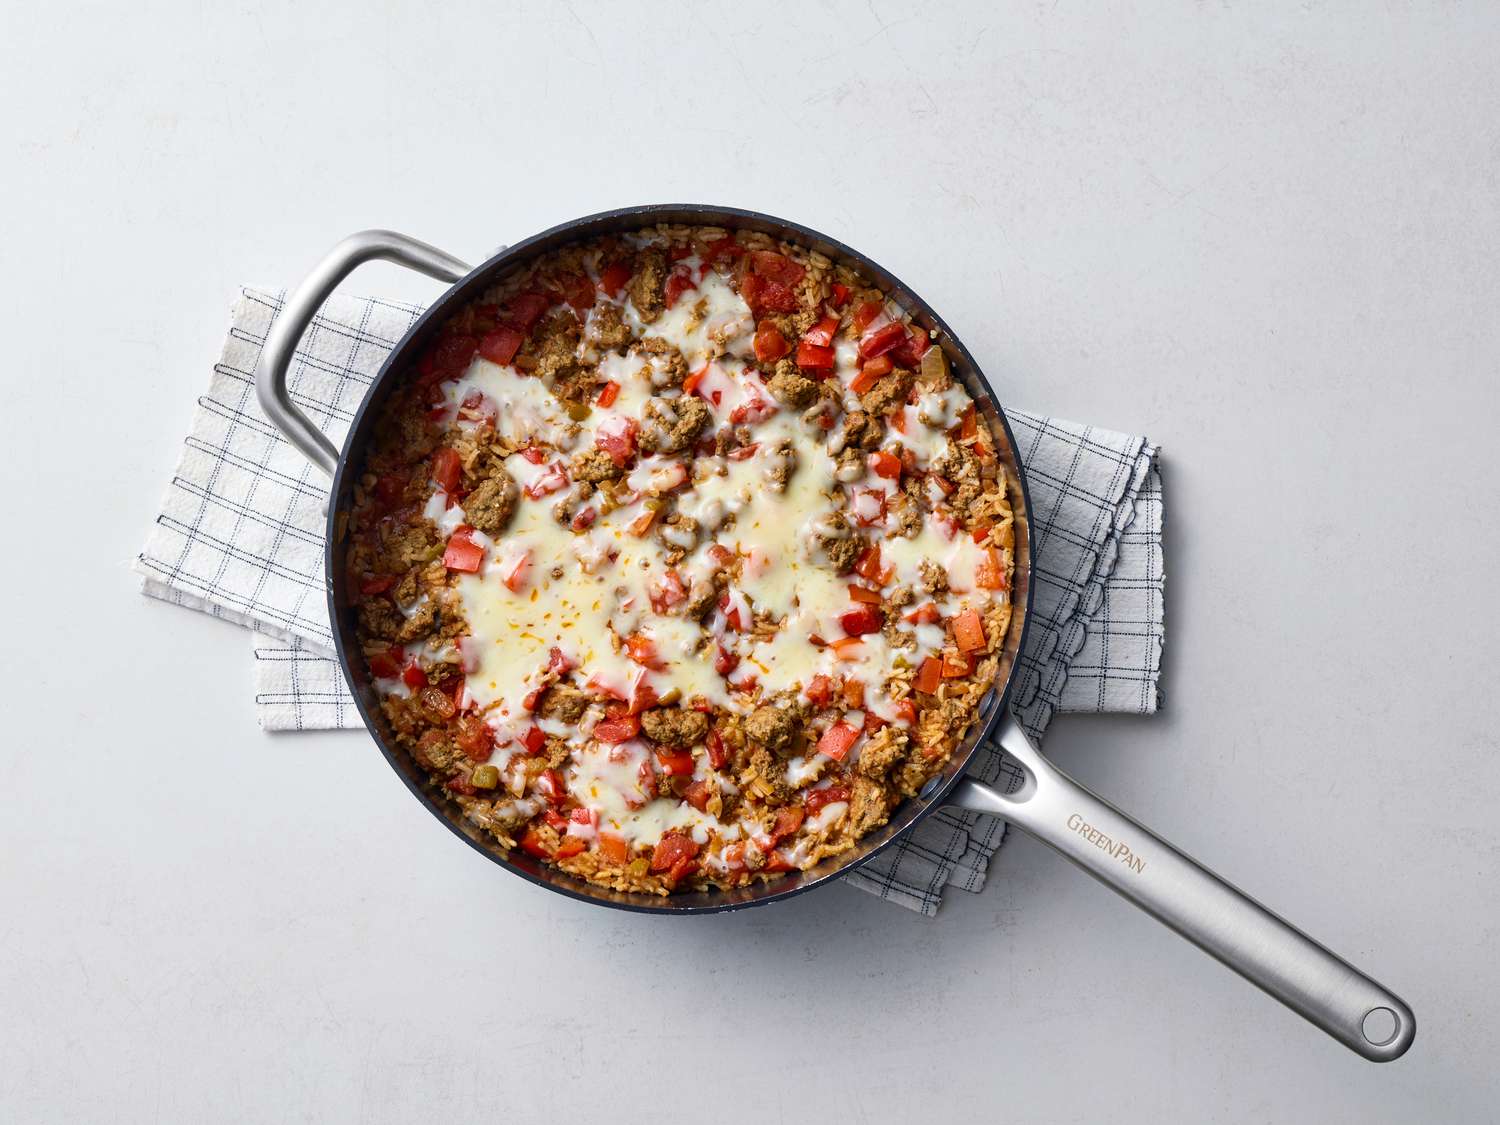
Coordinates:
<point>240,536</point>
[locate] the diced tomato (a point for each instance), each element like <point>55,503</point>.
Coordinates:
<point>968,631</point>
<point>642,523</point>
<point>642,696</point>
<point>755,409</point>
<point>840,296</point>
<point>675,763</point>
<point>678,282</point>
<point>989,571</point>
<point>534,454</point>
<point>881,340</point>
<point>725,661</point>
<point>822,333</point>
<point>374,584</point>
<point>533,697</point>
<point>868,507</point>
<point>764,295</point>
<point>860,620</point>
<point>968,423</point>
<point>864,594</point>
<point>906,711</point>
<point>525,309</point>
<point>955,664</point>
<point>608,393</point>
<point>811,357</point>
<point>743,452</point>
<point>584,518</point>
<point>617,438</point>
<point>817,798</point>
<point>854,694</point>
<point>642,650</point>
<point>386,664</point>
<point>868,564</point>
<point>770,344</point>
<point>462,553</point>
<point>413,676</point>
<point>697,795</point>
<point>788,819</point>
<point>718,753</point>
<point>847,648</point>
<point>554,478</point>
<point>666,591</point>
<point>619,729</point>
<point>836,741</point>
<point>865,314</point>
<point>501,345</point>
<point>885,464</point>
<point>776,267</point>
<point>909,352</point>
<point>534,740</point>
<point>898,420</point>
<point>550,785</point>
<point>555,819</point>
<point>819,691</point>
<point>725,249</point>
<point>571,846</point>
<point>776,863</point>
<point>874,722</point>
<point>925,614</point>
<point>516,572</point>
<point>446,467</point>
<point>448,358</point>
<point>614,848</point>
<point>578,291</point>
<point>929,676</point>
<point>690,384</point>
<point>612,278</point>
<point>673,848</point>
<point>532,843</point>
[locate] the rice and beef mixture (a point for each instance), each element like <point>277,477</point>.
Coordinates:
<point>681,559</point>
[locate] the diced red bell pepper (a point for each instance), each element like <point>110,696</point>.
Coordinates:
<point>534,454</point>
<point>446,468</point>
<point>620,729</point>
<point>584,518</point>
<point>989,571</point>
<point>724,249</point>
<point>614,848</point>
<point>570,846</point>
<point>718,753</point>
<point>929,676</point>
<point>811,357</point>
<point>613,277</point>
<point>837,740</point>
<point>864,379</point>
<point>776,863</point>
<point>675,763</point>
<point>525,309</point>
<point>666,591</point>
<point>865,314</point>
<point>462,553</point>
<point>533,843</point>
<point>413,676</point>
<point>854,694</point>
<point>864,594</point>
<point>770,344</point>
<point>766,296</point>
<point>909,352</point>
<point>906,711</point>
<point>925,614</point>
<point>448,358</point>
<point>968,423</point>
<point>869,565</point>
<point>840,296</point>
<point>818,798</point>
<point>550,785</point>
<point>672,849</point>
<point>885,464</point>
<point>968,631</point>
<point>608,393</point>
<point>534,740</point>
<point>823,332</point>
<point>386,664</point>
<point>819,691</point>
<point>578,291</point>
<point>788,819</point>
<point>554,478</point>
<point>725,661</point>
<point>955,664</point>
<point>881,340</point>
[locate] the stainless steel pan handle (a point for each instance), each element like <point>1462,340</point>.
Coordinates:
<point>1129,858</point>
<point>303,305</point>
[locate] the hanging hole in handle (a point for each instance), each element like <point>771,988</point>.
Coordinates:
<point>1380,1026</point>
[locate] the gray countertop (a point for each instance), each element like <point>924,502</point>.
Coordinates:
<point>1265,236</point>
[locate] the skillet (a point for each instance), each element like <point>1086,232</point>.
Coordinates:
<point>1105,842</point>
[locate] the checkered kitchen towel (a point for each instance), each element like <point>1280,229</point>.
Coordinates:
<point>240,536</point>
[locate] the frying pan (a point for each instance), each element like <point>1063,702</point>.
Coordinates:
<point>1117,850</point>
